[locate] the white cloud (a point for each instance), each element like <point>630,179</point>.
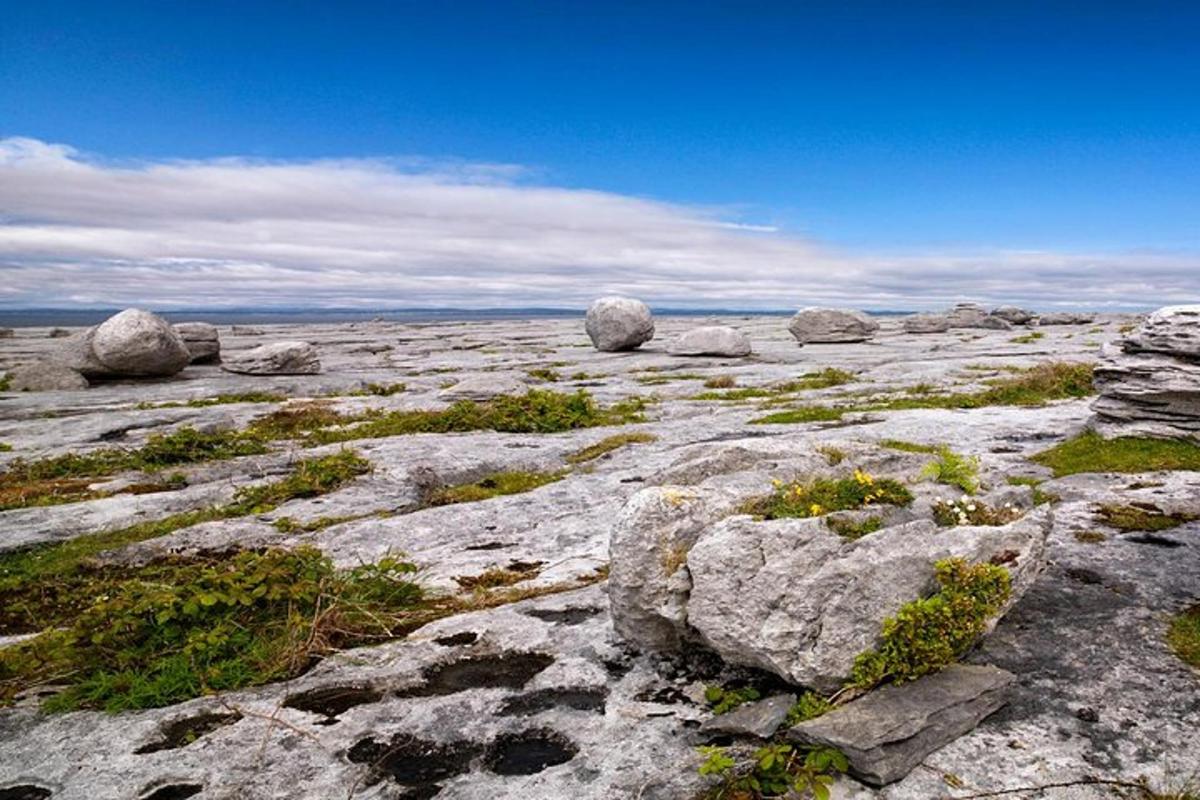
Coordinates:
<point>412,232</point>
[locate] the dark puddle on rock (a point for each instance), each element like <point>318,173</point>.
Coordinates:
<point>332,701</point>
<point>415,762</point>
<point>545,699</point>
<point>183,732</point>
<point>490,546</point>
<point>174,791</point>
<point>565,616</point>
<point>25,791</point>
<point>458,639</point>
<point>528,752</point>
<point>505,671</point>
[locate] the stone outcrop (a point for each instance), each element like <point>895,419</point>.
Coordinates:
<point>202,340</point>
<point>483,387</point>
<point>133,343</point>
<point>1065,318</point>
<point>1149,383</point>
<point>1013,314</point>
<point>887,733</point>
<point>926,323</point>
<point>619,323</point>
<point>815,325</point>
<point>967,315</point>
<point>711,340</point>
<point>277,358</point>
<point>43,377</point>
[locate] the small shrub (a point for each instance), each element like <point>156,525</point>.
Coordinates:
<point>608,445</point>
<point>1184,636</point>
<point>499,576</point>
<point>853,530</point>
<point>910,447</point>
<point>774,770</point>
<point>495,485</point>
<point>1140,517</point>
<point>723,700</point>
<point>544,374</point>
<point>928,634</point>
<point>953,469</point>
<point>1090,452</point>
<point>822,495</point>
<point>810,706</point>
<point>833,455</point>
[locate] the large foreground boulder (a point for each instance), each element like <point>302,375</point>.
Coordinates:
<point>1149,384</point>
<point>277,358</point>
<point>133,343</point>
<point>619,323</point>
<point>886,734</point>
<point>202,340</point>
<point>44,376</point>
<point>815,325</point>
<point>711,340</point>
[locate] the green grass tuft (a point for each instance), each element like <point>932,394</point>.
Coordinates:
<point>1184,636</point>
<point>953,469</point>
<point>1139,517</point>
<point>500,483</point>
<point>1090,452</point>
<point>608,445</point>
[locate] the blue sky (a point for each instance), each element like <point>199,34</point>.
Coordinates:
<point>877,131</point>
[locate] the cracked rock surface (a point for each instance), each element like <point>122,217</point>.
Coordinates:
<point>541,699</point>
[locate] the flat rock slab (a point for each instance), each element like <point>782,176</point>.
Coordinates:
<point>889,731</point>
<point>760,719</point>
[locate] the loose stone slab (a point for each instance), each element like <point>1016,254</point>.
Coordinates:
<point>278,358</point>
<point>816,325</point>
<point>888,732</point>
<point>711,340</point>
<point>45,376</point>
<point>760,719</point>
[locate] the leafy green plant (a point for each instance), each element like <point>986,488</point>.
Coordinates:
<point>1090,452</point>
<point>186,627</point>
<point>810,705</point>
<point>953,469</point>
<point>774,770</point>
<point>927,634</point>
<point>822,495</point>
<point>723,700</point>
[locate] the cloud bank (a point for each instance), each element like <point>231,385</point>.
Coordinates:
<point>377,233</point>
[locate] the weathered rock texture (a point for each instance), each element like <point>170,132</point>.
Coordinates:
<point>619,323</point>
<point>967,315</point>
<point>815,325</point>
<point>926,323</point>
<point>1013,314</point>
<point>1149,383</point>
<point>759,719</point>
<point>277,358</point>
<point>1065,318</point>
<point>202,340</point>
<point>711,340</point>
<point>890,731</point>
<point>44,376</point>
<point>484,387</point>
<point>133,343</point>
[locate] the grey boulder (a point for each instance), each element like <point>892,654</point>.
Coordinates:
<point>133,343</point>
<point>1013,314</point>
<point>618,323</point>
<point>992,322</point>
<point>202,340</point>
<point>815,325</point>
<point>1065,318</point>
<point>277,358</point>
<point>926,323</point>
<point>711,340</point>
<point>43,377</point>
<point>887,733</point>
<point>967,315</point>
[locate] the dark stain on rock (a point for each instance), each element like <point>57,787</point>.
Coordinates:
<point>458,639</point>
<point>663,695</point>
<point>183,732</point>
<point>545,699</point>
<point>1084,575</point>
<point>528,752</point>
<point>1154,539</point>
<point>25,791</point>
<point>565,616</point>
<point>415,762</point>
<point>332,701</point>
<point>504,671</point>
<point>174,791</point>
<point>490,546</point>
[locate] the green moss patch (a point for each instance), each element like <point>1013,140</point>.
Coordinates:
<point>909,447</point>
<point>608,445</point>
<point>500,483</point>
<point>928,634</point>
<point>820,496</point>
<point>823,379</point>
<point>182,628</point>
<point>854,529</point>
<point>722,700</point>
<point>1090,452</point>
<point>1028,338</point>
<point>1032,387</point>
<point>1140,517</point>
<point>48,585</point>
<point>1184,636</point>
